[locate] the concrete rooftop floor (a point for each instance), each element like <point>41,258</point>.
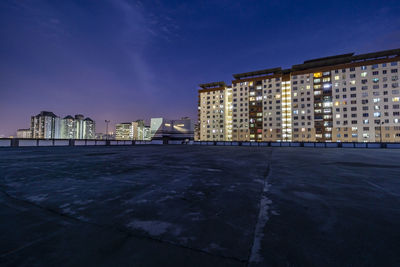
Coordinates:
<point>199,206</point>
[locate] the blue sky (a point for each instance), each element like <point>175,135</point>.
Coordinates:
<point>125,60</point>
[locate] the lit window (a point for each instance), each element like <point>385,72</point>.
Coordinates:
<point>377,114</point>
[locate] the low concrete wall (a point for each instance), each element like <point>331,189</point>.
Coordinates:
<point>61,143</point>
<point>80,143</point>
<point>27,143</point>
<point>331,145</point>
<point>175,142</point>
<point>373,145</point>
<point>7,142</point>
<point>45,142</point>
<point>392,145</point>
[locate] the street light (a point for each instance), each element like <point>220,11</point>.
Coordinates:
<point>107,122</point>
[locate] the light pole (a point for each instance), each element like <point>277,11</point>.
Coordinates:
<point>107,122</point>
<point>381,130</point>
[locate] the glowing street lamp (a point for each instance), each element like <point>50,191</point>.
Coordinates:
<point>107,122</point>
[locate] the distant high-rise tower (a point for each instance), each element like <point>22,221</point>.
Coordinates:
<point>124,131</point>
<point>89,128</point>
<point>24,133</point>
<point>45,125</point>
<point>79,124</point>
<point>68,127</point>
<point>138,128</point>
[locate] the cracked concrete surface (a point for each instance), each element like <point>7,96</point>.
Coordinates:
<point>199,206</point>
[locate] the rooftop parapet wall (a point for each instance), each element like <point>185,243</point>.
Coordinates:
<point>9,142</point>
<point>214,86</point>
<point>258,73</point>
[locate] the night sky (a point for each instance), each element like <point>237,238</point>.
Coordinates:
<point>124,60</point>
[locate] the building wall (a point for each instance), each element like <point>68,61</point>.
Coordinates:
<point>240,111</point>
<point>43,127</point>
<point>24,133</point>
<point>68,128</point>
<point>123,131</point>
<point>364,98</point>
<point>212,113</point>
<point>264,96</point>
<point>302,108</point>
<point>90,129</point>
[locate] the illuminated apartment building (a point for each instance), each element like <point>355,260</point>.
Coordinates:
<point>215,112</point>
<point>45,125</point>
<point>136,130</point>
<point>24,133</point>
<point>343,98</point>
<point>124,131</point>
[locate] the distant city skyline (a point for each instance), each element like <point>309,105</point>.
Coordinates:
<point>126,60</point>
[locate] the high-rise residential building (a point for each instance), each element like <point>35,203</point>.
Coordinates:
<point>24,133</point>
<point>85,128</point>
<point>124,131</point>
<point>146,133</point>
<point>68,127</point>
<point>45,125</point>
<point>79,126</point>
<point>342,98</point>
<point>215,111</point>
<point>196,132</point>
<point>136,130</point>
<point>89,128</point>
